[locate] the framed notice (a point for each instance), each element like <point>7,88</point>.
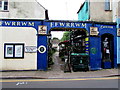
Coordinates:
<point>42,29</point>
<point>19,51</point>
<point>118,32</point>
<point>9,51</point>
<point>94,31</point>
<point>14,50</point>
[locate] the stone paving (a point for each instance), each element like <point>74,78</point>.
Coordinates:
<point>57,71</point>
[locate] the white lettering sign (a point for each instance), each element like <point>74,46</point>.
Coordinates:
<point>67,24</point>
<point>17,23</point>
<point>107,27</point>
<point>30,49</point>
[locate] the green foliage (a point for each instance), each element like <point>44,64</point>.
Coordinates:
<point>50,54</point>
<point>66,36</point>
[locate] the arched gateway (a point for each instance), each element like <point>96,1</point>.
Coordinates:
<point>94,36</point>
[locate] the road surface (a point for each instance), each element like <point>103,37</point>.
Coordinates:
<point>109,82</point>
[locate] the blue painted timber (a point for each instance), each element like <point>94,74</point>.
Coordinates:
<point>95,53</point>
<point>107,65</point>
<point>118,50</point>
<point>110,29</point>
<point>118,43</point>
<point>42,63</point>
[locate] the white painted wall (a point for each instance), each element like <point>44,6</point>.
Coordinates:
<point>116,10</point>
<point>26,35</point>
<point>24,9</point>
<point>0,48</point>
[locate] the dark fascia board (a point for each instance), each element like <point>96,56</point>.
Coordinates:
<point>105,23</point>
<point>81,7</point>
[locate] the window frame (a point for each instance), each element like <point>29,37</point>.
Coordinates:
<point>2,8</point>
<point>108,5</point>
<point>13,56</point>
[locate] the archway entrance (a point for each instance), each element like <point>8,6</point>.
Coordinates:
<point>107,46</point>
<point>73,51</point>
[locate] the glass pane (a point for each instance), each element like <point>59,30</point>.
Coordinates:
<point>107,4</point>
<point>0,3</point>
<point>6,3</point>
<point>119,9</point>
<point>5,7</point>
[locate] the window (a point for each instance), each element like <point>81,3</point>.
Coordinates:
<point>14,50</point>
<point>0,5</point>
<point>119,9</point>
<point>107,5</point>
<point>4,5</point>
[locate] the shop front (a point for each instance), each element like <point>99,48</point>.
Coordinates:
<point>102,41</point>
<point>103,47</point>
<point>25,43</point>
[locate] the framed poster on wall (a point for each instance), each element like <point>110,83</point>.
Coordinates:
<point>118,32</point>
<point>19,51</point>
<point>9,51</point>
<point>14,50</point>
<point>94,31</point>
<point>42,30</point>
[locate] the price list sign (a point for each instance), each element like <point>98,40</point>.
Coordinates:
<point>118,32</point>
<point>94,31</point>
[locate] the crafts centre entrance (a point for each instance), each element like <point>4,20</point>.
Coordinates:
<point>73,49</point>
<point>86,41</point>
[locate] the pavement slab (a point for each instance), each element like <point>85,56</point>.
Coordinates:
<point>57,71</point>
<point>59,74</point>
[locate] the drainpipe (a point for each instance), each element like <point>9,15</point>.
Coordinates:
<point>46,15</point>
<point>89,9</point>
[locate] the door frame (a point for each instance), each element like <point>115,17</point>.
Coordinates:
<point>108,64</point>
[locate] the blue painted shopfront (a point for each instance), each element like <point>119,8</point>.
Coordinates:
<point>95,58</point>
<point>42,40</point>
<point>94,41</point>
<point>118,44</point>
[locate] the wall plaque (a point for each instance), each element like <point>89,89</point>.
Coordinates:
<point>19,50</point>
<point>94,31</point>
<point>30,49</point>
<point>9,51</point>
<point>118,32</point>
<point>42,29</point>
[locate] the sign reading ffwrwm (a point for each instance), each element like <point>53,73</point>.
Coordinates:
<point>118,32</point>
